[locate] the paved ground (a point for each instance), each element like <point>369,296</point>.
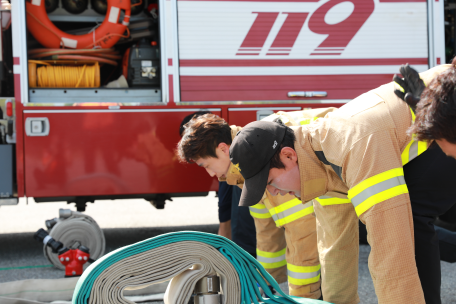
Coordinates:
<point>129,221</point>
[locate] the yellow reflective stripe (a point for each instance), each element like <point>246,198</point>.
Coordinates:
<point>380,197</point>
<point>268,254</point>
<point>413,150</point>
<point>295,216</point>
<point>377,189</point>
<point>328,200</point>
<point>285,206</point>
<point>272,259</point>
<point>307,121</point>
<point>290,211</point>
<point>303,275</point>
<point>367,183</point>
<point>259,211</point>
<point>405,154</point>
<point>422,146</point>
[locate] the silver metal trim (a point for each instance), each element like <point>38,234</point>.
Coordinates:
<point>19,31</point>
<point>268,108</point>
<point>207,299</point>
<point>307,94</point>
<point>256,102</point>
<point>196,103</point>
<point>175,52</point>
<point>9,201</point>
<point>95,95</point>
<point>430,15</point>
<point>71,104</point>
<point>163,52</point>
<point>119,111</point>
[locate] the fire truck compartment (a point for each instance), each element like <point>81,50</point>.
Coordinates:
<point>100,152</point>
<point>132,70</point>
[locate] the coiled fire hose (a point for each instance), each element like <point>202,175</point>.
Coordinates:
<point>186,257</point>
<point>60,76</point>
<point>74,229</point>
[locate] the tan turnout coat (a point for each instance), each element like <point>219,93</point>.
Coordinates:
<point>286,228</point>
<point>359,151</point>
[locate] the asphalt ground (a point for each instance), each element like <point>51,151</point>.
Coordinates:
<point>128,221</point>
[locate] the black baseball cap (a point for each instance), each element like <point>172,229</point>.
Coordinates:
<point>251,152</point>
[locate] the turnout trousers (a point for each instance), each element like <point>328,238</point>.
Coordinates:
<point>431,180</point>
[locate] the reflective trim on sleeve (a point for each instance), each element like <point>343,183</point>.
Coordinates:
<point>259,211</point>
<point>290,211</point>
<point>328,200</point>
<point>271,260</point>
<point>413,150</point>
<point>303,275</point>
<point>376,189</point>
<point>306,121</point>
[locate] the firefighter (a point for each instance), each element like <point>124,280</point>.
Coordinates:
<point>359,153</point>
<point>236,223</point>
<point>286,229</point>
<point>435,121</point>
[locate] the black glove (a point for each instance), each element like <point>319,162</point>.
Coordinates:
<point>412,84</point>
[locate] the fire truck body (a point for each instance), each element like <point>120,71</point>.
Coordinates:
<point>242,60</point>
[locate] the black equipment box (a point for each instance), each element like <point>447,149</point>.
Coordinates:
<point>144,65</point>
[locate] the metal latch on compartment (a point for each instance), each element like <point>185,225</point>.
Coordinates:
<point>37,126</point>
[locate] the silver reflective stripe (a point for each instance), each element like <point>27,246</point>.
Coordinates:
<point>291,210</point>
<point>324,197</point>
<point>303,275</point>
<point>258,210</point>
<point>377,188</point>
<point>413,150</point>
<point>275,217</point>
<point>271,260</point>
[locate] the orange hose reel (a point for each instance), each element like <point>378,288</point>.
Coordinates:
<point>104,36</point>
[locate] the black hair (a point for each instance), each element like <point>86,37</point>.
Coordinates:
<point>436,111</point>
<point>201,137</point>
<point>188,118</point>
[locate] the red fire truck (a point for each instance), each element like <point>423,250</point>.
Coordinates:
<point>242,60</point>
